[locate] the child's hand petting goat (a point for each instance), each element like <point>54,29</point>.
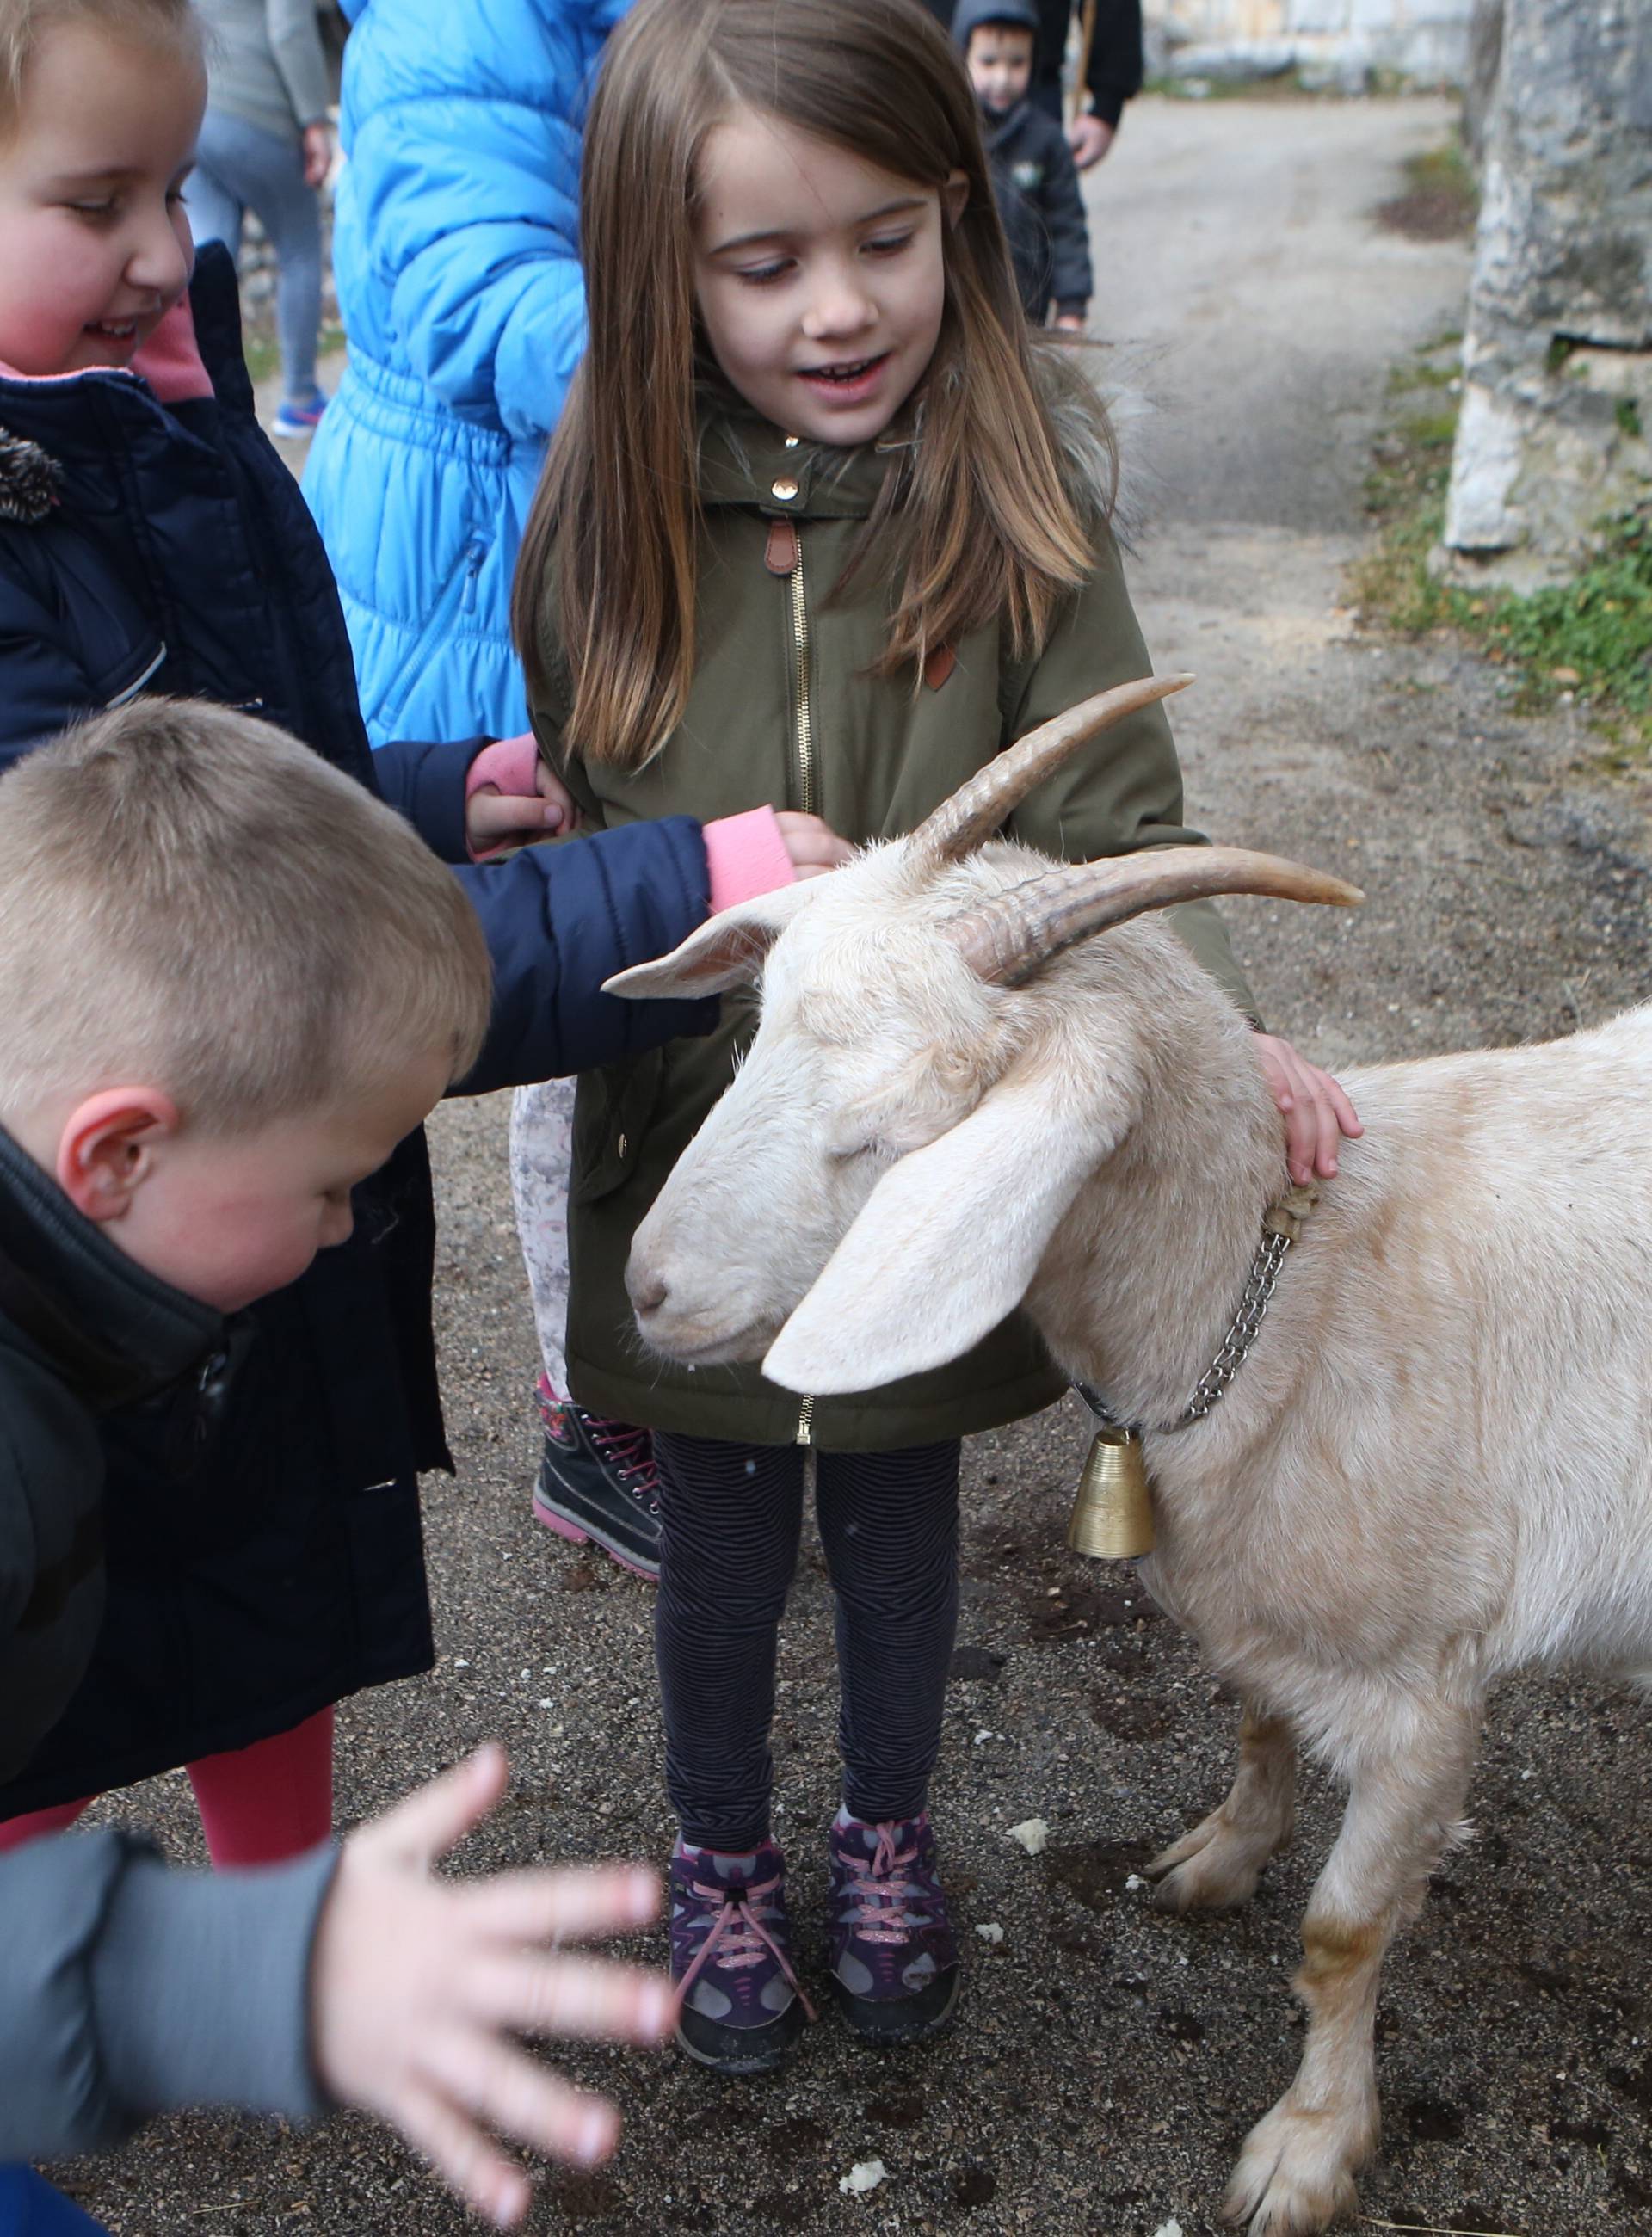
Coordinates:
<point>1318,1113</point>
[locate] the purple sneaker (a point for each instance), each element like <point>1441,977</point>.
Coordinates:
<point>739,2005</point>
<point>892,1955</point>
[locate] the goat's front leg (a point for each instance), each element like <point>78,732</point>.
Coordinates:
<point>1295,2174</point>
<point>1218,1863</point>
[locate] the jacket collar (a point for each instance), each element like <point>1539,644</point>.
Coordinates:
<point>69,417</point>
<point>112,1331</point>
<point>745,461</point>
<point>999,125</point>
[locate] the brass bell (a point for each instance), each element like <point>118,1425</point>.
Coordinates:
<point>1112,1510</point>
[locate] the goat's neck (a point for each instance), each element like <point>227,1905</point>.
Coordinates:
<point>1137,1292</point>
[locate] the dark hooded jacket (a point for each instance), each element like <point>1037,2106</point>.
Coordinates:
<point>125,1988</point>
<point>1034,181</point>
<point>152,545</point>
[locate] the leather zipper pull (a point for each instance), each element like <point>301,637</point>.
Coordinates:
<point>780,555</point>
<point>941,660</point>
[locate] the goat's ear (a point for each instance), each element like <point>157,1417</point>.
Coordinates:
<point>946,1245</point>
<point>728,950</point>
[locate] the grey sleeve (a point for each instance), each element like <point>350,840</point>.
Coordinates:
<point>127,1988</point>
<point>295,42</point>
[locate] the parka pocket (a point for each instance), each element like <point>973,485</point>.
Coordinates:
<point>612,1113</point>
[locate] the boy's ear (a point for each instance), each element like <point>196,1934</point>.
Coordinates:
<point>728,950</point>
<point>106,1150</point>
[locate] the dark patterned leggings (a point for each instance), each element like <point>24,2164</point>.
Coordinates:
<point>732,1517</point>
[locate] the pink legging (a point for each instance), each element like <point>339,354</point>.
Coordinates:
<point>259,1804</point>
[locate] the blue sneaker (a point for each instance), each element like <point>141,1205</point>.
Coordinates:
<point>739,2005</point>
<point>892,1955</point>
<point>294,422</point>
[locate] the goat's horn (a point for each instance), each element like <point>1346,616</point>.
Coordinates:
<point>1007,938</point>
<point>977,809</point>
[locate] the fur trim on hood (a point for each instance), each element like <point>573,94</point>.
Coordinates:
<point>30,479</point>
<point>1095,416</point>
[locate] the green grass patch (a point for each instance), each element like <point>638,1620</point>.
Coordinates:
<point>1590,637</point>
<point>1284,85</point>
<point>1441,200</point>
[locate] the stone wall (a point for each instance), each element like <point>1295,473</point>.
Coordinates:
<point>1557,356</point>
<point>1328,41</point>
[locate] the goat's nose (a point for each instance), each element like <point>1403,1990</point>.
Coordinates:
<point>646,1289</point>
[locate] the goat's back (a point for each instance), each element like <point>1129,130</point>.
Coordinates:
<point>1461,1372</point>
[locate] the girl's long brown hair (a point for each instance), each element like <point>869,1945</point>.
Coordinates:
<point>973,520</point>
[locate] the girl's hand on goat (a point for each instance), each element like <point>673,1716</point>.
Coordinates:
<point>1317,1112</point>
<point>814,847</point>
<point>419,1987</point>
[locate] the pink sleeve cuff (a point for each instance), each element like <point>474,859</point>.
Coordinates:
<point>510,765</point>
<point>746,856</point>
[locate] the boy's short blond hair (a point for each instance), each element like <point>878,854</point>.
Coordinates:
<point>191,900</point>
<point>171,23</point>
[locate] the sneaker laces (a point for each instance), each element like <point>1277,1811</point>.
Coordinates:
<point>881,1884</point>
<point>739,1936</point>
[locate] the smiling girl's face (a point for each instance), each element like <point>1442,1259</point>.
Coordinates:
<point>95,243</point>
<point>820,279</point>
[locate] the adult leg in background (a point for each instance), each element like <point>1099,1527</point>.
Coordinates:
<point>265,173</point>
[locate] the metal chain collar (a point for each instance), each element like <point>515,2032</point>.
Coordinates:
<point>1279,1231</point>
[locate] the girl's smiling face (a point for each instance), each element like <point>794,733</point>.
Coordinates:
<point>819,278</point>
<point>94,242</point>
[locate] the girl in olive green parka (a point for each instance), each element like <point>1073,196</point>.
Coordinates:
<point>814,532</point>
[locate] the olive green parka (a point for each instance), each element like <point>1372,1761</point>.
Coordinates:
<point>783,708</point>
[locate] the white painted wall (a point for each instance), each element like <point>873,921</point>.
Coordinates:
<point>1425,39</point>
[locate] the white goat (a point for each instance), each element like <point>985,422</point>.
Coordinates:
<point>1435,1465</point>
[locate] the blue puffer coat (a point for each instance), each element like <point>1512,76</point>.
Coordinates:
<point>158,546</point>
<point>455,247</point>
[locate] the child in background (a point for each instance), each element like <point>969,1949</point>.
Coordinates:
<point>809,529</point>
<point>1033,172</point>
<point>230,982</point>
<point>150,538</point>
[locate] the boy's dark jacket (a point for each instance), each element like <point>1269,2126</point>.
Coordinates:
<point>1034,182</point>
<point>164,546</point>
<point>125,1988</point>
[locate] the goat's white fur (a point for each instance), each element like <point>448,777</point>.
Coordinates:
<point>1436,1465</point>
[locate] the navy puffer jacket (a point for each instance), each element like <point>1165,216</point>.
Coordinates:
<point>163,546</point>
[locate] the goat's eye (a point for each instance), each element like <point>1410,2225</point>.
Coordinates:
<point>844,1153</point>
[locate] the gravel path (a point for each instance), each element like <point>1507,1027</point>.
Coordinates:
<point>1106,2061</point>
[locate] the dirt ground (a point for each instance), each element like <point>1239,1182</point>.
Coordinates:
<point>1106,2060</point>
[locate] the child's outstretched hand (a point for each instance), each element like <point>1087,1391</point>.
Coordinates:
<point>1317,1112</point>
<point>512,798</point>
<point>814,847</point>
<point>419,1986</point>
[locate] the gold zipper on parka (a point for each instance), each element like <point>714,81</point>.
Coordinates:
<point>806,785</point>
<point>800,645</point>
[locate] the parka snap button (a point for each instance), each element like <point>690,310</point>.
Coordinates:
<point>786,489</point>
